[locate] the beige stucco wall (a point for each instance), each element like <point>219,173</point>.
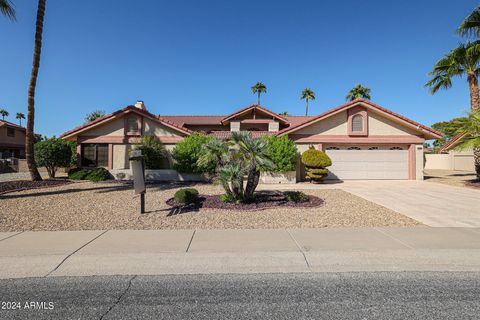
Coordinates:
<point>454,160</point>
<point>120,156</point>
<point>18,139</point>
<point>419,162</point>
<point>152,128</point>
<point>380,125</point>
<point>111,128</point>
<point>334,125</point>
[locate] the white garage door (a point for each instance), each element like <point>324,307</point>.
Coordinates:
<point>368,164</point>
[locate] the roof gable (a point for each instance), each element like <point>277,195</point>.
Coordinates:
<point>254,108</point>
<point>429,132</point>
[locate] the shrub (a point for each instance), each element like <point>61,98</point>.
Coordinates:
<point>153,151</point>
<point>315,162</point>
<point>295,196</point>
<point>53,153</point>
<point>187,152</point>
<point>283,152</point>
<point>95,175</point>
<point>186,195</point>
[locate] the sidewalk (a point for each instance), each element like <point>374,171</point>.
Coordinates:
<point>151,252</point>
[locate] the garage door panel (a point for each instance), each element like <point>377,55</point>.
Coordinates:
<point>368,164</point>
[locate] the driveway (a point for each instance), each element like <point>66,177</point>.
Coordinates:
<point>436,205</point>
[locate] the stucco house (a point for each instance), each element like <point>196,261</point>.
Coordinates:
<point>364,140</point>
<point>12,140</point>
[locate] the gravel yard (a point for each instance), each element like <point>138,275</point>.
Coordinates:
<point>90,206</point>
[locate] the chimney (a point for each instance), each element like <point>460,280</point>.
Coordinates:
<point>140,105</point>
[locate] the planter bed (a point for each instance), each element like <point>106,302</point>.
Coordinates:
<point>19,185</point>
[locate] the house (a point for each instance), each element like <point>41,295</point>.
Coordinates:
<point>452,159</point>
<point>12,140</point>
<point>364,140</point>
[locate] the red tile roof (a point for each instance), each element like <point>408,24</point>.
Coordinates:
<point>10,124</point>
<point>195,120</point>
<point>447,146</point>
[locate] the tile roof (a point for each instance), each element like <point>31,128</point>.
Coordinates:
<point>451,143</point>
<point>10,124</point>
<point>254,106</point>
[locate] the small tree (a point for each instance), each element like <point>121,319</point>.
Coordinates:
<point>94,115</point>
<point>153,151</point>
<point>307,94</point>
<point>259,88</point>
<point>4,113</point>
<point>187,152</point>
<point>358,91</point>
<point>19,117</point>
<point>283,152</point>
<point>316,162</point>
<point>53,153</point>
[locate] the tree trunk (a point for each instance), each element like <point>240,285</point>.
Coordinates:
<point>476,157</point>
<point>250,188</point>
<point>473,86</point>
<point>30,137</point>
<point>306,109</point>
<point>258,102</point>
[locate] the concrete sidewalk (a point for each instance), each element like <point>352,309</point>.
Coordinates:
<point>151,252</point>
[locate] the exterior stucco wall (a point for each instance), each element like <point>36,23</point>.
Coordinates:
<point>121,156</point>
<point>379,125</point>
<point>454,160</point>
<point>19,138</point>
<point>419,162</point>
<point>152,128</point>
<point>334,125</point>
<point>111,128</point>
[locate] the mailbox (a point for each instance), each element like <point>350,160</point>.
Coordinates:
<point>137,164</point>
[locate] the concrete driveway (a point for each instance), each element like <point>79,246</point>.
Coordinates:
<point>433,204</point>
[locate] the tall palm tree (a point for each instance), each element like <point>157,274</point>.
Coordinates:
<point>307,94</point>
<point>259,88</point>
<point>471,24</point>
<point>4,113</point>
<point>358,92</point>
<point>6,8</point>
<point>471,128</point>
<point>30,136</point>
<point>19,117</point>
<point>463,60</point>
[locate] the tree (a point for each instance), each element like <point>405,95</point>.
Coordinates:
<point>153,151</point>
<point>19,117</point>
<point>6,8</point>
<point>449,129</point>
<point>30,135</point>
<point>53,153</point>
<point>187,152</point>
<point>258,89</point>
<point>4,113</point>
<point>471,24</point>
<point>471,128</point>
<point>94,115</point>
<point>283,153</point>
<point>358,92</point>
<point>283,113</point>
<point>307,94</point>
<point>464,60</point>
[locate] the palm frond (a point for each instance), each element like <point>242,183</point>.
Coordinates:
<point>471,24</point>
<point>6,8</point>
<point>441,81</point>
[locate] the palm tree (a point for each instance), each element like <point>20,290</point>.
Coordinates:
<point>4,113</point>
<point>19,117</point>
<point>463,60</point>
<point>358,92</point>
<point>6,8</point>
<point>30,136</point>
<point>471,128</point>
<point>471,24</point>
<point>307,94</point>
<point>283,113</point>
<point>259,88</point>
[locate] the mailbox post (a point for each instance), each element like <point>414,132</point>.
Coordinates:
<point>138,171</point>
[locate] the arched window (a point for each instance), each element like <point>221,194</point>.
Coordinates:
<point>132,124</point>
<point>354,148</point>
<point>396,148</point>
<point>357,123</point>
<point>332,148</point>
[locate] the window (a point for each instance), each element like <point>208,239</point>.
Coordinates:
<point>396,148</point>
<point>354,148</point>
<point>10,132</point>
<point>373,148</point>
<point>332,148</point>
<point>94,155</point>
<point>132,124</point>
<point>357,123</point>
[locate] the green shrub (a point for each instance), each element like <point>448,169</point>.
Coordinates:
<point>283,152</point>
<point>95,175</point>
<point>187,152</point>
<point>153,151</point>
<point>226,198</point>
<point>54,153</point>
<point>186,195</point>
<point>316,159</point>
<point>315,162</point>
<point>295,196</point>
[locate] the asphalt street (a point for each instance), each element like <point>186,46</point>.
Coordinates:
<point>412,295</point>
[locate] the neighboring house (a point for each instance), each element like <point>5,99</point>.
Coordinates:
<point>451,159</point>
<point>12,140</point>
<point>364,140</point>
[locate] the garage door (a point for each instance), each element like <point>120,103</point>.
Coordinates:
<point>368,164</point>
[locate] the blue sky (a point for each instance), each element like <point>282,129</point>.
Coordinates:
<point>201,57</point>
